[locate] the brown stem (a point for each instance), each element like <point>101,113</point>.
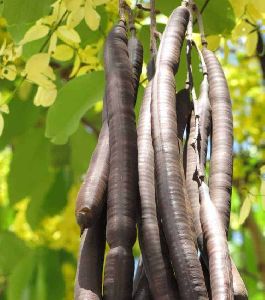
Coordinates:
<point>153,46</point>
<point>200,24</point>
<point>144,8</point>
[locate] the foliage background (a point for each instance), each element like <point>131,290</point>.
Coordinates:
<point>51,89</point>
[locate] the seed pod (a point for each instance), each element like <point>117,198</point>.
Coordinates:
<point>90,198</point>
<point>184,107</point>
<point>123,176</point>
<point>221,164</point>
<point>88,281</point>
<point>157,267</point>
<point>141,289</point>
<point>190,162</point>
<point>135,50</point>
<point>171,198</point>
<point>205,122</point>
<point>217,247</point>
<point>90,201</point>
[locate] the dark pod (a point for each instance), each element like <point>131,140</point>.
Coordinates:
<point>157,266</point>
<point>88,281</point>
<point>90,200</point>
<point>168,162</point>
<point>217,247</point>
<point>123,177</point>
<point>221,164</point>
<point>135,50</point>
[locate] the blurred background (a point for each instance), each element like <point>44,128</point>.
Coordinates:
<point>51,90</point>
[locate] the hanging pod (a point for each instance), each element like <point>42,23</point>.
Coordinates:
<point>171,198</point>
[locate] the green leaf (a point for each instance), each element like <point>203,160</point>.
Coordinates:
<point>19,280</point>
<point>29,166</point>
<point>218,16</point>
<point>82,146</point>
<point>72,102</point>
<point>56,197</point>
<point>27,115</point>
<point>51,261</point>
<point>25,11</point>
<point>17,31</point>
<point>12,249</point>
<point>87,35</point>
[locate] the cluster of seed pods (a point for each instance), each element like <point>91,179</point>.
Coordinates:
<point>151,178</point>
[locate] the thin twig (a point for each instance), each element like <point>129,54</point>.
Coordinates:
<point>144,8</point>
<point>200,24</point>
<point>52,31</point>
<point>153,45</point>
<point>202,10</point>
<point>122,9</point>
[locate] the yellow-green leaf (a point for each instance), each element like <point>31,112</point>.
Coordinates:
<point>251,43</point>
<point>1,124</point>
<point>45,97</point>
<point>213,42</point>
<point>38,70</point>
<point>63,52</point>
<point>245,210</point>
<point>92,18</point>
<point>36,32</point>
<point>259,4</point>
<point>76,66</point>
<point>4,108</point>
<point>9,72</point>
<point>83,70</point>
<point>75,17</point>
<point>99,2</point>
<point>68,35</point>
<point>72,4</point>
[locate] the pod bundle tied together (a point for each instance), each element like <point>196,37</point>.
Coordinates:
<point>151,177</point>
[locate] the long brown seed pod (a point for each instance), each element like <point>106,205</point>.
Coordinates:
<point>168,163</point>
<point>90,198</point>
<point>183,108</point>
<point>90,201</point>
<point>204,108</point>
<point>190,162</point>
<point>123,177</point>
<point>221,164</point>
<point>156,265</point>
<point>135,50</point>
<point>219,259</point>
<point>88,281</point>
<point>240,291</point>
<point>141,289</point>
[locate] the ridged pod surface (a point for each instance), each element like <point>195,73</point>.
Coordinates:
<point>190,162</point>
<point>217,247</point>
<point>123,176</point>
<point>157,266</point>
<point>205,122</point>
<point>171,197</point>
<point>90,201</point>
<point>135,50</point>
<point>90,198</point>
<point>221,164</point>
<point>88,281</point>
